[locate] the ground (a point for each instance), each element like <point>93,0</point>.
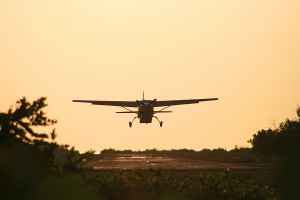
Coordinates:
<point>138,161</point>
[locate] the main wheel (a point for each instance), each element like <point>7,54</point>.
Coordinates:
<point>161,123</point>
<point>130,124</point>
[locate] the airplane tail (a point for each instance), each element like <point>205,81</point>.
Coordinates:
<point>143,96</point>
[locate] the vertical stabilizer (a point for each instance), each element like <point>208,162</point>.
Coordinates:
<point>143,96</point>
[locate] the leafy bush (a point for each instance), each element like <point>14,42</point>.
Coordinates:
<point>160,184</point>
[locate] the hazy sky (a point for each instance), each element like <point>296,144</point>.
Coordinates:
<point>247,53</point>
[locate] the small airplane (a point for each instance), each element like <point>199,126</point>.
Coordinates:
<point>145,108</point>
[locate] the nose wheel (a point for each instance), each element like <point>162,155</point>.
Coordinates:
<point>160,122</point>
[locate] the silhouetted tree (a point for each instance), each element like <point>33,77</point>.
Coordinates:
<point>18,122</point>
<point>281,141</point>
<point>31,167</point>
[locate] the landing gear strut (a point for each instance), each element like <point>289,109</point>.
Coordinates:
<point>130,123</point>
<point>160,122</point>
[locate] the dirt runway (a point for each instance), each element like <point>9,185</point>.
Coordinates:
<point>124,161</point>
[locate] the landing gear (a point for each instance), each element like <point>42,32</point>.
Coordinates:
<point>130,123</point>
<point>160,122</point>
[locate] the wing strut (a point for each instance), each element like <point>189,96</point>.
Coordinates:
<point>129,111</point>
<point>161,110</point>
<point>126,108</point>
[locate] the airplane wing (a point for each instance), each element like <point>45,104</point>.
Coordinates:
<point>180,102</point>
<point>110,103</point>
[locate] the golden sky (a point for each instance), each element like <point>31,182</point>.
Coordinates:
<point>247,53</point>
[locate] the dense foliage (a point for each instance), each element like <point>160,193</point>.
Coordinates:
<point>178,185</point>
<point>283,140</point>
<point>32,165</point>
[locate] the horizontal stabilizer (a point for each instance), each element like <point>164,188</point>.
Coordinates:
<point>167,111</point>
<point>135,112</point>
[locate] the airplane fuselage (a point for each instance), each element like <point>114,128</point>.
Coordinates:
<point>145,112</point>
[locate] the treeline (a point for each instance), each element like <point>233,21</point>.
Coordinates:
<point>240,155</point>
